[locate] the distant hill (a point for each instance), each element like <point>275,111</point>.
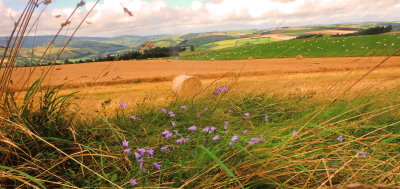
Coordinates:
<point>201,40</point>
<point>31,41</point>
<point>88,48</point>
<point>92,47</point>
<point>366,45</point>
<point>364,25</point>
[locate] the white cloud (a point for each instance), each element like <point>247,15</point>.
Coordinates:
<point>7,17</point>
<point>157,17</point>
<point>196,5</point>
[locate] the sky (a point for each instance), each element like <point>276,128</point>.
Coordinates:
<point>155,17</point>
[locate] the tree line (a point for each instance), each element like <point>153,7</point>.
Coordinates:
<point>157,52</point>
<point>309,36</point>
<point>369,31</point>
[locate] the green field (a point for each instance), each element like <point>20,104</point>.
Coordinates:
<point>236,32</point>
<point>234,43</point>
<point>373,45</point>
<point>293,32</point>
<point>364,25</point>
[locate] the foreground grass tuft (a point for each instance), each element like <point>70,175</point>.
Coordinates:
<point>217,141</point>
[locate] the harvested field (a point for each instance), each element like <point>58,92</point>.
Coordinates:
<point>239,34</point>
<point>279,36</point>
<point>333,32</point>
<point>294,28</point>
<point>319,85</point>
<point>321,78</point>
<point>216,33</point>
<point>109,73</point>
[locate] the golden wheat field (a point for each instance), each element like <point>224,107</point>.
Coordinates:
<point>150,81</point>
<point>333,32</point>
<point>122,72</point>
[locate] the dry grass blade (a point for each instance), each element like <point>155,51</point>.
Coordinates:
<point>25,175</point>
<point>48,48</point>
<point>16,37</point>
<point>327,172</point>
<point>63,48</point>
<point>341,94</point>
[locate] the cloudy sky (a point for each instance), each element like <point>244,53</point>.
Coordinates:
<point>153,17</point>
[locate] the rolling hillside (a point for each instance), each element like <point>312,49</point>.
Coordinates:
<point>199,43</point>
<point>372,45</point>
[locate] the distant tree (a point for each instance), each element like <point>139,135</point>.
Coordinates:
<point>156,52</point>
<point>66,61</point>
<point>265,32</point>
<point>369,31</point>
<point>309,36</point>
<point>192,48</point>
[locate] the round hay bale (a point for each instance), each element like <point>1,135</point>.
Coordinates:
<point>250,58</point>
<point>212,59</point>
<point>185,85</point>
<point>299,57</point>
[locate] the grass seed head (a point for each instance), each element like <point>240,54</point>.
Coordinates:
<point>128,12</point>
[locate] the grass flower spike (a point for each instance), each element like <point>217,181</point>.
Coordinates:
<point>133,182</point>
<point>192,128</point>
<point>165,148</point>
<point>128,151</point>
<point>157,166</point>
<point>123,105</point>
<point>125,143</point>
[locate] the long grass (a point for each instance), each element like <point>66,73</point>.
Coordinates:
<point>311,158</point>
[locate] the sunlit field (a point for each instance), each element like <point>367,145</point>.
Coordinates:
<point>313,79</point>
<point>120,72</point>
<point>282,150</point>
<point>263,126</point>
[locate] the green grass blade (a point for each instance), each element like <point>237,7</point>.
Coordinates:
<point>24,174</point>
<point>32,90</point>
<point>221,164</point>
